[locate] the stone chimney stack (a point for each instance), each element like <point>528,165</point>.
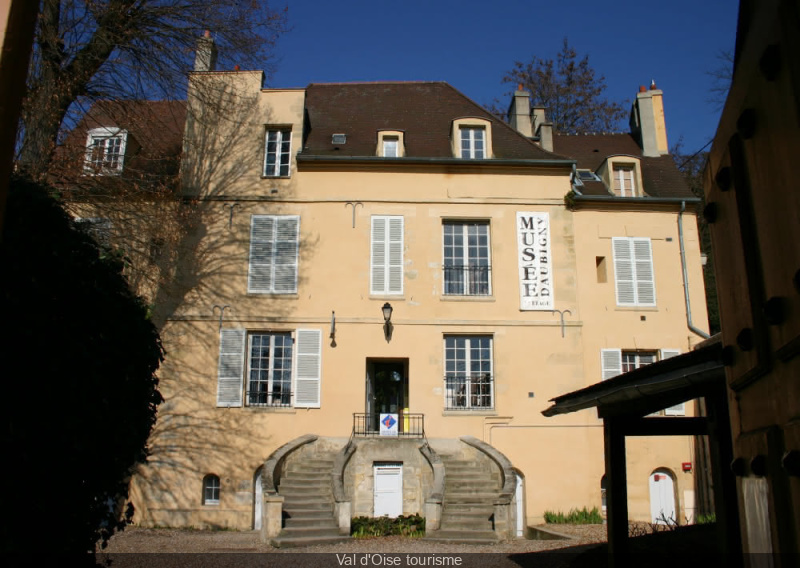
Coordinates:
<point>519,113</point>
<point>543,129</point>
<point>205,58</point>
<point>647,121</point>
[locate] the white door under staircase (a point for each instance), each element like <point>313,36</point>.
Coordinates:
<point>388,489</point>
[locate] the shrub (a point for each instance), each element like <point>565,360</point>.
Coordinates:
<point>80,393</point>
<point>574,517</point>
<point>404,525</point>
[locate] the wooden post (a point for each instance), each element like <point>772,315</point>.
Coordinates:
<point>617,489</point>
<point>725,495</point>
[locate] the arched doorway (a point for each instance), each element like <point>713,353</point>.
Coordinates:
<point>662,497</point>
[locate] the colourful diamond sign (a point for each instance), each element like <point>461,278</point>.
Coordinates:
<point>388,424</point>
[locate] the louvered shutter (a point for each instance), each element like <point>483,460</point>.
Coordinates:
<point>386,255</point>
<point>230,372</point>
<point>274,247</point>
<point>395,264</point>
<point>378,256</point>
<point>611,361</point>
<point>262,251</point>
<point>678,409</point>
<point>623,272</point>
<point>308,368</point>
<point>287,239</point>
<point>643,267</point>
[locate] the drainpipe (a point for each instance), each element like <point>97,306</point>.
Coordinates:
<point>699,332</point>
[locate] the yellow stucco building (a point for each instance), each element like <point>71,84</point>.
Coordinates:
<point>387,285</point>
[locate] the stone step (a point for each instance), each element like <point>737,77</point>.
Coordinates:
<point>468,524</point>
<point>313,504</point>
<point>308,514</point>
<point>309,475</point>
<point>304,532</point>
<point>469,497</point>
<point>293,483</point>
<point>294,541</point>
<point>474,513</point>
<point>326,522</point>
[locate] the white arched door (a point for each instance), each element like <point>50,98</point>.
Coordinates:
<point>520,499</point>
<point>257,501</point>
<point>662,497</point>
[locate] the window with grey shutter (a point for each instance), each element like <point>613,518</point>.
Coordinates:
<point>308,375</point>
<point>611,361</point>
<point>386,255</point>
<point>230,372</point>
<point>633,271</point>
<point>274,248</point>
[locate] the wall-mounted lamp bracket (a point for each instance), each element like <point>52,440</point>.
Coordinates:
<point>230,218</point>
<point>221,312</point>
<point>561,313</point>
<point>354,204</point>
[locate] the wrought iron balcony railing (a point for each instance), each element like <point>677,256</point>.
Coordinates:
<point>409,425</point>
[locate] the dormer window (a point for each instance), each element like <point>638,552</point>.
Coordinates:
<point>390,144</point>
<point>622,175</point>
<point>390,147</point>
<point>472,138</point>
<point>473,142</point>
<point>624,181</point>
<point>105,151</point>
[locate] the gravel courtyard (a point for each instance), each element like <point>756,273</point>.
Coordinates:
<point>193,541</point>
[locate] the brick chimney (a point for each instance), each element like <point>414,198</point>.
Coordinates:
<point>205,58</point>
<point>519,113</point>
<point>647,121</point>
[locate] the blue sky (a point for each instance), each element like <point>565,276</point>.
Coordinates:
<point>471,45</point>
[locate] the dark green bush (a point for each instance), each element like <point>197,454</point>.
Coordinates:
<point>404,525</point>
<point>80,389</point>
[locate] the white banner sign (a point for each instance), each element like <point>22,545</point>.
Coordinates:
<point>535,263</point>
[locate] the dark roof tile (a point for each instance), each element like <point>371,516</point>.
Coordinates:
<point>660,175</point>
<point>424,111</point>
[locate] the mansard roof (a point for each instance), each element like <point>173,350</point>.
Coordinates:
<point>423,111</point>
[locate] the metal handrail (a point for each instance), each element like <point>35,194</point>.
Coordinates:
<point>411,425</point>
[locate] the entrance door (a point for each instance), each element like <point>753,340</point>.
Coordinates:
<point>258,500</point>
<point>387,391</point>
<point>662,498</point>
<point>388,489</point>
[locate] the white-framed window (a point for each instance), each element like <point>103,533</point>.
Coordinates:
<point>635,359</point>
<point>391,147</point>
<point>633,270</point>
<point>469,373</point>
<point>105,151</point>
<point>386,255</point>
<point>617,361</point>
<point>274,249</point>
<point>624,180</point>
<point>211,488</point>
<point>277,155</point>
<point>270,368</point>
<point>467,258</point>
<point>473,142</point>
